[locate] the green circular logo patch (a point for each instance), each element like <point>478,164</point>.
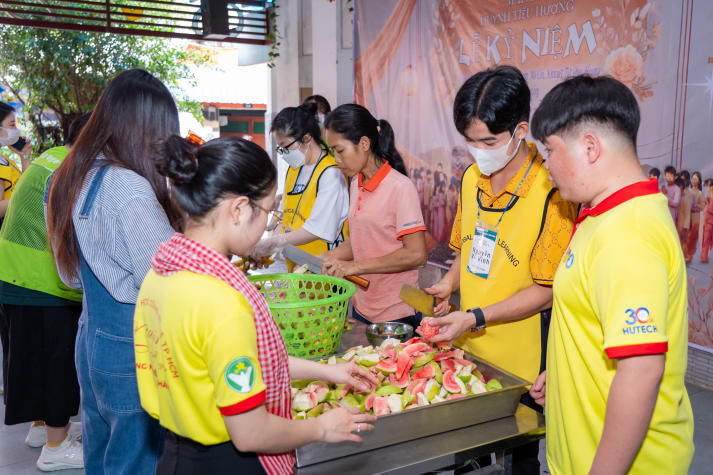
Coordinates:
<point>240,375</point>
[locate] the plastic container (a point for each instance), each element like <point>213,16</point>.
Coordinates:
<point>309,309</point>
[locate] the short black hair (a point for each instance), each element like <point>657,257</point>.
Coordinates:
<point>322,103</point>
<point>655,172</point>
<point>75,128</point>
<point>584,98</point>
<point>499,97</point>
<point>670,169</point>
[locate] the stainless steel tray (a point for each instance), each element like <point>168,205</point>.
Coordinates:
<point>428,420</point>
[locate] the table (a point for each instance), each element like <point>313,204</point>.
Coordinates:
<point>441,450</point>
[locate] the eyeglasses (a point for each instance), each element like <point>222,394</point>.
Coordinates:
<point>285,150</point>
<point>274,217</point>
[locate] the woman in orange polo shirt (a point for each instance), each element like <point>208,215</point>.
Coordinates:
<point>387,240</point>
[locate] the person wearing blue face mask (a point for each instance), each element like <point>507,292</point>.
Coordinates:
<point>316,202</point>
<point>510,232</point>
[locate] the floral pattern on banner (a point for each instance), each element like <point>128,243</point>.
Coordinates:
<point>627,35</point>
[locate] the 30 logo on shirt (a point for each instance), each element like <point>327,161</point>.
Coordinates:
<point>240,375</point>
<point>639,321</point>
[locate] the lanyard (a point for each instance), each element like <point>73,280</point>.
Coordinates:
<point>519,185</point>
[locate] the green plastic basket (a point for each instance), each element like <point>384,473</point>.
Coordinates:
<point>309,309</point>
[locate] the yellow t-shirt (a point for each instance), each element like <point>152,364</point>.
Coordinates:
<point>620,291</point>
<point>532,236</point>
<point>9,174</point>
<point>196,354</point>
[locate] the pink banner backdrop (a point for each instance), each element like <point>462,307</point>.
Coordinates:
<point>411,56</point>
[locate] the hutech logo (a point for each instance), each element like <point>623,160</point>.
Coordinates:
<point>639,321</point>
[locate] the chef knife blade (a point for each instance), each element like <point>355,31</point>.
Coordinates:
<point>314,263</point>
<point>420,300</point>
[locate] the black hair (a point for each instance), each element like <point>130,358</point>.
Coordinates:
<point>499,97</point>
<point>708,182</point>
<point>296,122</point>
<point>322,103</point>
<point>686,177</point>
<point>353,122</point>
<point>700,180</point>
<point>655,172</point>
<point>201,176</point>
<point>602,100</point>
<point>5,110</point>
<point>75,128</point>
<point>670,169</point>
<point>680,182</point>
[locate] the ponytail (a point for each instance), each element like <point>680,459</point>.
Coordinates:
<point>353,122</point>
<point>387,147</point>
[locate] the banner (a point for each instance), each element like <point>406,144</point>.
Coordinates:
<point>411,57</point>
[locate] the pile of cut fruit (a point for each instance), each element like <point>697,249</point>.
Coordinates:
<point>411,374</point>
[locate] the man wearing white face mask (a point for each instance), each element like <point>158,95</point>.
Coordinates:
<point>510,231</point>
<point>316,202</point>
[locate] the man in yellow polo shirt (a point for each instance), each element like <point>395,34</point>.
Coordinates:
<point>616,360</point>
<point>510,231</point>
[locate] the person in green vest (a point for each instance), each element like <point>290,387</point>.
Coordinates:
<point>38,321</point>
<point>316,200</point>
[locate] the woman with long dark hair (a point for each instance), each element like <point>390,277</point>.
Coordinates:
<point>698,202</point>
<point>108,210</point>
<point>387,240</point>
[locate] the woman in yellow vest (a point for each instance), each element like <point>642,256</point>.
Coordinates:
<point>9,173</point>
<point>316,200</point>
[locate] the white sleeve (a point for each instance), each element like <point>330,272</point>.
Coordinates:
<point>331,207</point>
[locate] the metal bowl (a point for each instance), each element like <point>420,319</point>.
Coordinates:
<point>376,333</point>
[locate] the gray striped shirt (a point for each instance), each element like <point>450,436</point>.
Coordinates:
<point>122,232</point>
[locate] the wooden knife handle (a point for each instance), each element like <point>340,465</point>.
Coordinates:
<point>360,281</point>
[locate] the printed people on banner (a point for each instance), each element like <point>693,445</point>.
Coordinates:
<point>707,241</point>
<point>689,201</point>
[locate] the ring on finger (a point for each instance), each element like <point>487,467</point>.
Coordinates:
<point>358,427</point>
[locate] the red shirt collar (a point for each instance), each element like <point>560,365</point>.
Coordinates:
<point>374,181</point>
<point>640,188</point>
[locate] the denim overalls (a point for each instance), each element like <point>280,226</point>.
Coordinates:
<point>118,436</point>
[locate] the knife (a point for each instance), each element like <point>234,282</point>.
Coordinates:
<point>314,264</point>
<point>420,300</point>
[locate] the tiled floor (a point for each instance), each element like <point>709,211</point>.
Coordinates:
<point>18,459</point>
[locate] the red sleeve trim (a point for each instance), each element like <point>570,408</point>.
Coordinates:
<point>410,231</point>
<point>243,406</point>
<point>637,350</point>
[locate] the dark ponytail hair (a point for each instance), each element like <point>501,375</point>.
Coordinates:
<point>200,177</point>
<point>353,122</point>
<point>296,122</point>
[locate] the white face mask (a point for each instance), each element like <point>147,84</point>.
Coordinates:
<point>320,119</point>
<point>490,161</point>
<point>294,158</point>
<point>12,136</point>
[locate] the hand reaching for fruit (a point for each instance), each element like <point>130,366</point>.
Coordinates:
<point>354,375</point>
<point>450,326</point>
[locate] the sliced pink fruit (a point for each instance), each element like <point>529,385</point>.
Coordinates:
<point>386,366</point>
<point>417,347</point>
<point>401,382</point>
<point>444,345</point>
<point>417,386</point>
<point>426,372</point>
<point>444,355</point>
<point>403,364</point>
<point>369,402</point>
<point>448,365</point>
<point>413,340</point>
<point>381,406</point>
<point>463,362</point>
<point>450,383</point>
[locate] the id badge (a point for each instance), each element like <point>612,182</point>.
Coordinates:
<point>481,253</point>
